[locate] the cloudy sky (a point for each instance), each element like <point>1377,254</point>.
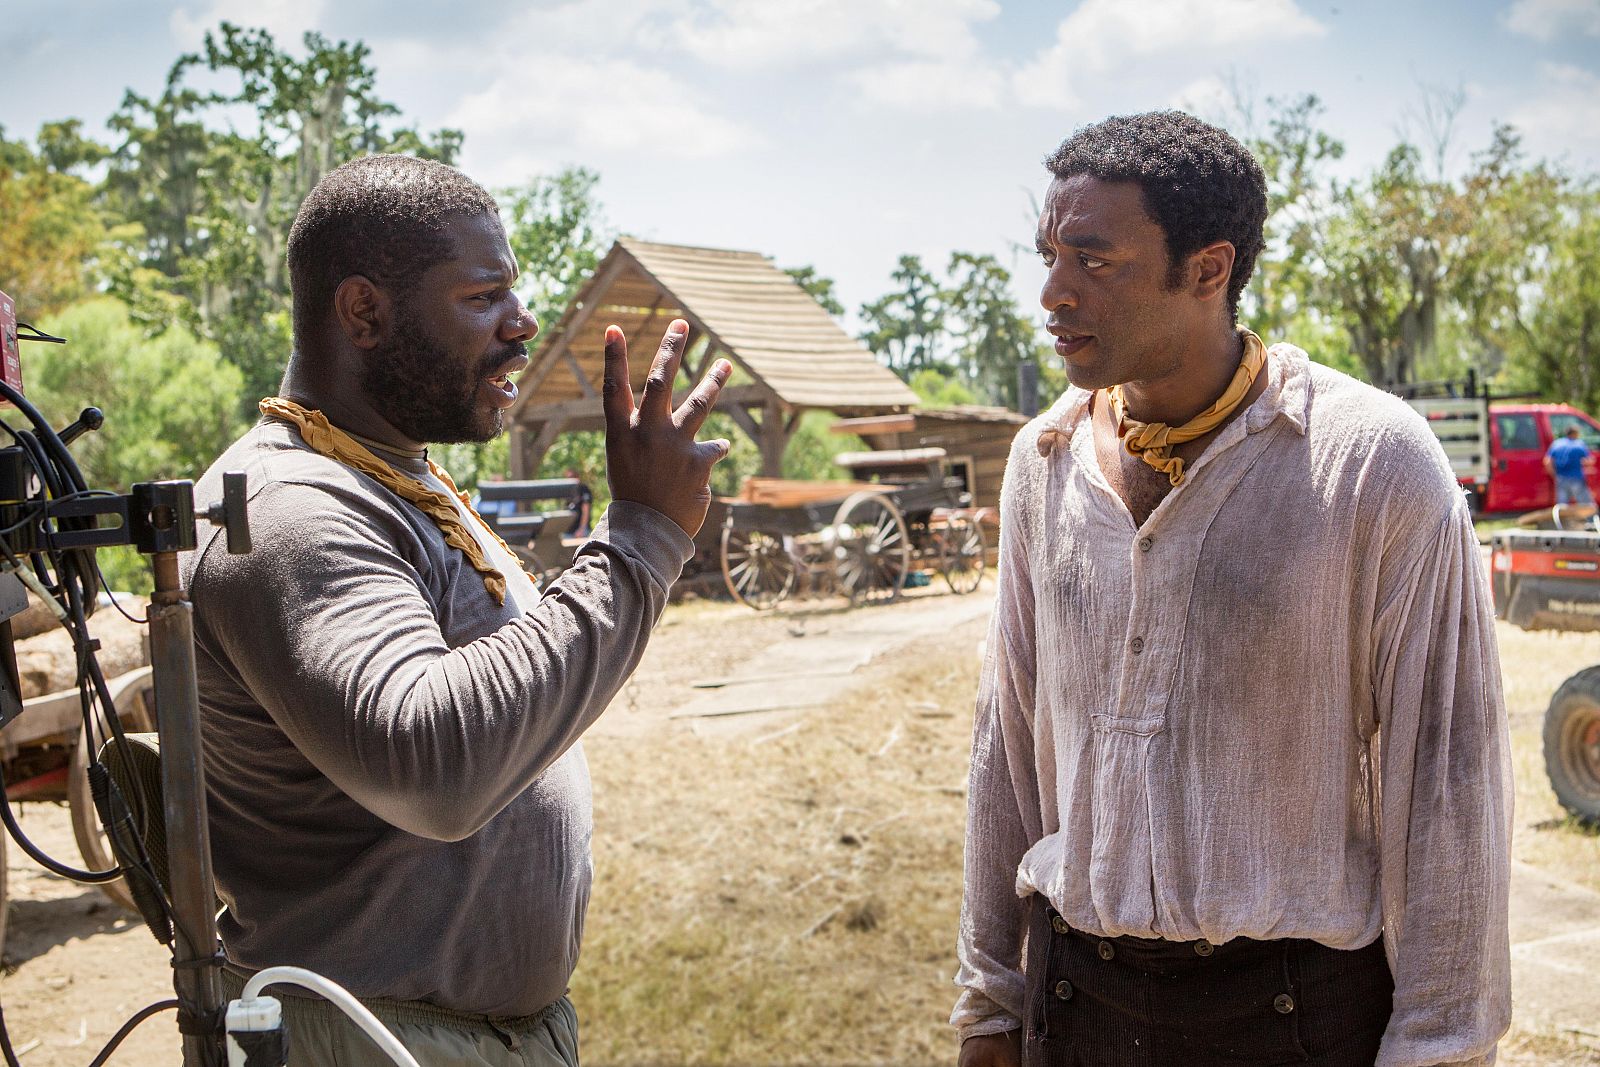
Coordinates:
<point>843,133</point>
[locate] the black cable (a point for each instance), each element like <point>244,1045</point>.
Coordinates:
<point>127,1028</point>
<point>5,1042</point>
<point>39,857</point>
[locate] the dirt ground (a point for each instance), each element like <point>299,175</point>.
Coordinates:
<point>772,888</point>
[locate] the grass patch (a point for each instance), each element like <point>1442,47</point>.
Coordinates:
<point>784,897</point>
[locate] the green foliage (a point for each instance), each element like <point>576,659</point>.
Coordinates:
<point>170,402</point>
<point>558,235</point>
<point>966,328</point>
<point>1552,342</point>
<point>992,338</point>
<point>937,389</point>
<point>214,206</point>
<point>820,288</point>
<point>906,327</point>
<point>52,233</point>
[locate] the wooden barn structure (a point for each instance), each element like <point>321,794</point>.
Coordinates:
<point>976,441</point>
<point>789,356</point>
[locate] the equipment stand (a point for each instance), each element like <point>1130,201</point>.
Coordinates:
<point>196,962</point>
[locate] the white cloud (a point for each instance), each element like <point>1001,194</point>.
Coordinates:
<point>1208,98</point>
<point>1563,120</point>
<point>1101,36</point>
<point>1547,20</point>
<point>931,85</point>
<point>286,20</point>
<point>762,33</point>
<point>581,108</point>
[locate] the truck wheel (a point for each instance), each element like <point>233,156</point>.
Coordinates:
<point>1572,745</point>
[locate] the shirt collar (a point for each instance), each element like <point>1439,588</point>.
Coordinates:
<point>1288,394</point>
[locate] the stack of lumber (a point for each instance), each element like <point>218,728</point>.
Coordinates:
<point>785,493</point>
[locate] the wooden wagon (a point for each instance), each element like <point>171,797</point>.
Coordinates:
<point>46,758</point>
<point>903,514</point>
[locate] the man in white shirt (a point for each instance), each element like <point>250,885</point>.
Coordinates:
<point>1240,777</point>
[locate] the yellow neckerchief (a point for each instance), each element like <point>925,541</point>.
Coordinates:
<point>328,439</point>
<point>1153,441</point>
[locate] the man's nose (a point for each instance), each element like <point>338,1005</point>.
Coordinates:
<point>1058,290</point>
<point>521,326</point>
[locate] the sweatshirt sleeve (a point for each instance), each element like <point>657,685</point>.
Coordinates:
<point>1445,798</point>
<point>1002,806</point>
<point>329,626</point>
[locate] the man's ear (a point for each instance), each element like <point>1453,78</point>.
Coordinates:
<point>1210,269</point>
<point>362,310</point>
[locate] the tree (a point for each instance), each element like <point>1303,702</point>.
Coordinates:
<point>558,234</point>
<point>52,234</point>
<point>990,336</point>
<point>169,401</point>
<point>820,288</point>
<point>905,327</point>
<point>1294,153</point>
<point>215,206</point>
<point>1553,336</point>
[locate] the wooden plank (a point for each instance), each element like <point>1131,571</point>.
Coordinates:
<point>876,424</point>
<point>529,383</point>
<point>578,374</point>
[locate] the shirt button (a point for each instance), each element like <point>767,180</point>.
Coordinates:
<point>1204,948</point>
<point>1107,950</point>
<point>1136,645</point>
<point>1059,925</point>
<point>1283,1003</point>
<point>1064,990</point>
<point>1145,543</point>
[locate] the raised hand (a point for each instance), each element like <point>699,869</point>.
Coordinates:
<point>652,457</point>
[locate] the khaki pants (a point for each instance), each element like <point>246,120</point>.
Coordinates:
<point>321,1035</point>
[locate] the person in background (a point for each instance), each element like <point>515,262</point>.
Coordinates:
<point>582,503</point>
<point>1565,461</point>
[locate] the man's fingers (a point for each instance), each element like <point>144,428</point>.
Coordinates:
<point>616,395</point>
<point>691,414</point>
<point>710,453</point>
<point>657,400</point>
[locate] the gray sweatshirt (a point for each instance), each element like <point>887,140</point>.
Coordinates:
<point>398,799</point>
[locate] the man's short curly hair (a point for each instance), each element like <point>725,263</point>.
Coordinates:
<point>1200,185</point>
<point>383,217</point>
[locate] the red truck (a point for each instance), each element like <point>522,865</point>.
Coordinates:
<point>1498,449</point>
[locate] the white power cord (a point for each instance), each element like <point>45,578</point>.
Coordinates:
<point>336,993</point>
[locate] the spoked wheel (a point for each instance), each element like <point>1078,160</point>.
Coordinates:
<point>757,567</point>
<point>135,697</point>
<point>962,559</point>
<point>1572,745</point>
<point>872,550</point>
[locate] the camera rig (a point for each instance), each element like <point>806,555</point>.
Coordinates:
<point>51,524</point>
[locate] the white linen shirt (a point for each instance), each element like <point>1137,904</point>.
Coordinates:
<point>1272,711</point>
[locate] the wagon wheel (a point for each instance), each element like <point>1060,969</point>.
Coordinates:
<point>4,863</point>
<point>872,550</point>
<point>962,558</point>
<point>136,708</point>
<point>758,569</point>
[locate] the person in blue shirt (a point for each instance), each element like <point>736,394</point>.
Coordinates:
<point>1564,461</point>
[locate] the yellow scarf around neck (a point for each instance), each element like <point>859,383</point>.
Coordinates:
<point>1153,441</point>
<point>324,437</point>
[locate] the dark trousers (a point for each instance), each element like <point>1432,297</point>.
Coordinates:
<point>1132,1002</point>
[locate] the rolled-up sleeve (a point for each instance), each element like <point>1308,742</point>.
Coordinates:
<point>1445,799</point>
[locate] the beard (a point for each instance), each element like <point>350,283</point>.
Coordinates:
<point>428,394</point>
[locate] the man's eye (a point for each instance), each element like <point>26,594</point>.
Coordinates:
<point>1044,254</point>
<point>1090,263</point>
